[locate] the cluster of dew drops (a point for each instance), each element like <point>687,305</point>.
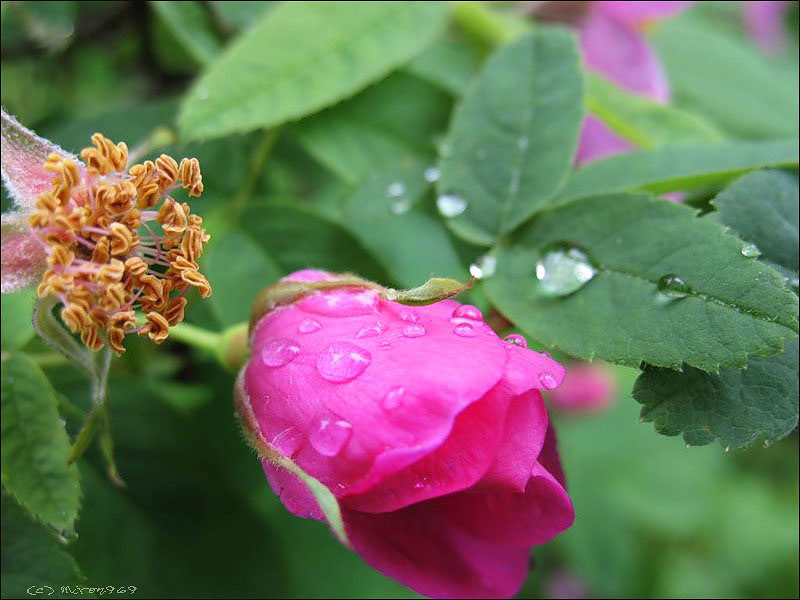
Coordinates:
<point>343,361</point>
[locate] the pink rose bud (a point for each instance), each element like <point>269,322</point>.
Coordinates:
<point>586,388</point>
<point>428,429</point>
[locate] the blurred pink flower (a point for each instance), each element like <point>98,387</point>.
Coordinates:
<point>613,45</point>
<point>586,388</point>
<point>428,428</point>
<point>764,22</point>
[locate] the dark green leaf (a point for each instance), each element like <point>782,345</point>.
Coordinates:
<point>32,555</point>
<point>35,445</point>
<point>736,407</point>
<point>303,56</point>
<point>734,306</point>
<point>191,25</point>
<point>238,269</point>
<point>644,122</point>
<point>729,81</point>
<point>238,15</point>
<point>763,209</point>
<point>387,214</point>
<point>676,168</point>
<point>512,140</point>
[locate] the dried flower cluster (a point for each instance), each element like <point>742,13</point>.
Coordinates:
<point>105,261</point>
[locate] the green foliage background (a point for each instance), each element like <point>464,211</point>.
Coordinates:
<point>299,152</point>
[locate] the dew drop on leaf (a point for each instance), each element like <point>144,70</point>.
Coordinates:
<point>564,269</point>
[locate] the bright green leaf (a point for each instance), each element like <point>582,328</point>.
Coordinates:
<point>35,445</point>
<point>676,168</point>
<point>238,269</point>
<point>736,407</point>
<point>762,208</point>
<point>303,56</point>
<point>447,64</point>
<point>641,120</point>
<point>32,554</point>
<point>734,306</point>
<point>191,25</point>
<point>512,140</point>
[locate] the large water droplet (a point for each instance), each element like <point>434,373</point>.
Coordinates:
<point>548,381</point>
<point>394,398</point>
<point>341,303</point>
<point>309,326</point>
<point>673,286</point>
<point>371,331</point>
<point>483,267</point>
<point>451,205</point>
<point>289,441</point>
<point>431,174</point>
<point>517,340</point>
<point>413,330</point>
<point>341,362</point>
<point>396,189</point>
<point>564,269</point>
<point>279,352</point>
<point>464,330</point>
<point>751,251</point>
<point>330,435</point>
<point>467,311</point>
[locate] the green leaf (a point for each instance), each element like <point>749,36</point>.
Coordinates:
<point>727,80</point>
<point>762,208</point>
<point>512,140</point>
<point>299,238</point>
<point>32,554</point>
<point>734,306</point>
<point>676,168</point>
<point>303,56</point>
<point>238,269</point>
<point>35,445</point>
<point>375,129</point>
<point>17,327</point>
<point>387,215</point>
<point>448,64</point>
<point>191,25</point>
<point>641,120</point>
<point>736,407</point>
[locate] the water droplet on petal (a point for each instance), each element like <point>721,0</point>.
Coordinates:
<point>517,340</point>
<point>413,330</point>
<point>467,311</point>
<point>279,352</point>
<point>330,435</point>
<point>341,362</point>
<point>483,267</point>
<point>409,316</point>
<point>751,251</point>
<point>309,326</point>
<point>371,331</point>
<point>464,330</point>
<point>431,174</point>
<point>396,189</point>
<point>289,441</point>
<point>341,303</point>
<point>393,399</point>
<point>548,381</point>
<point>564,269</point>
<point>451,205</point>
<point>419,485</point>
<point>385,345</point>
<point>672,286</point>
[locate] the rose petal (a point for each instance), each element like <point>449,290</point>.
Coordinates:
<point>598,141</point>
<point>23,257</point>
<point>440,374</point>
<point>420,548</point>
<point>638,14</point>
<point>764,21</point>
<point>294,494</point>
<point>623,55</point>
